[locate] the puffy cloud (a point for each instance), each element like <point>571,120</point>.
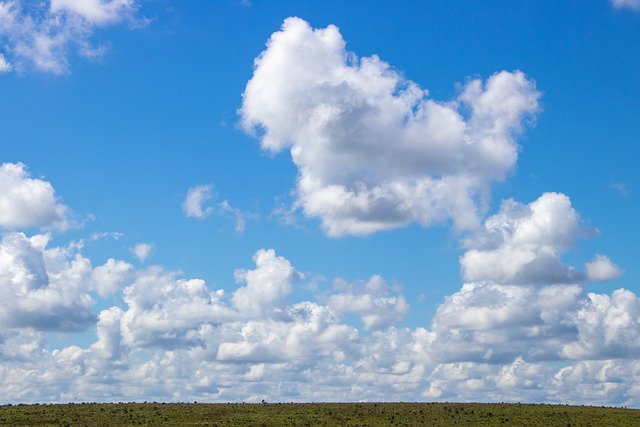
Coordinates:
<point>142,250</point>
<point>488,322</point>
<point>193,205</point>
<point>378,304</point>
<point>523,243</point>
<point>266,287</point>
<point>109,278</point>
<point>40,289</point>
<point>164,311</point>
<point>28,202</point>
<point>372,150</point>
<point>40,35</point>
<point>609,327</point>
<point>601,269</point>
<point>175,339</point>
<point>626,4</point>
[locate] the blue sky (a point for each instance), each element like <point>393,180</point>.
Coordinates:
<point>319,201</point>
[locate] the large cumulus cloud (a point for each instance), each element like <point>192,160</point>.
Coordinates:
<point>372,150</point>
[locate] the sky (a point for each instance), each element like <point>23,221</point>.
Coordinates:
<point>304,201</point>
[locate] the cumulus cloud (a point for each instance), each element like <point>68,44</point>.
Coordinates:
<point>176,339</point>
<point>164,311</point>
<point>29,202</point>
<point>40,35</point>
<point>523,243</point>
<point>378,304</point>
<point>626,4</point>
<point>142,250</point>
<point>601,269</point>
<point>372,150</point>
<point>267,286</point>
<point>42,289</point>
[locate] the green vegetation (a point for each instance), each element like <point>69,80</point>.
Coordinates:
<point>315,414</point>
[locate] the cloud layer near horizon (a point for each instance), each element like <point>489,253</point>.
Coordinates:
<point>499,337</point>
<point>373,151</point>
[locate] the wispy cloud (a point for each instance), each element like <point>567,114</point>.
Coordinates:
<point>40,35</point>
<point>626,4</point>
<point>199,204</point>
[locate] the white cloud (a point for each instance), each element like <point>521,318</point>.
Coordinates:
<point>98,12</point>
<point>193,205</point>
<point>601,269</point>
<point>40,35</point>
<point>28,202</point>
<point>237,213</point>
<point>266,287</point>
<point>626,4</point>
<point>198,204</point>
<point>142,251</point>
<point>372,151</point>
<point>609,327</point>
<point>109,277</point>
<point>523,243</point>
<point>167,312</point>
<point>41,288</point>
<point>378,304</point>
<point>4,65</point>
<point>175,339</point>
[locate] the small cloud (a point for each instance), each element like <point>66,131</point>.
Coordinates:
<point>142,251</point>
<point>105,235</point>
<point>620,187</point>
<point>626,4</point>
<point>601,269</point>
<point>193,205</point>
<point>4,65</point>
<point>238,214</point>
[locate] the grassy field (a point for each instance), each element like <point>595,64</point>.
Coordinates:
<point>315,414</point>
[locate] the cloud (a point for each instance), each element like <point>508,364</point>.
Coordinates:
<point>167,312</point>
<point>373,151</point>
<point>40,35</point>
<point>378,304</point>
<point>193,205</point>
<point>237,214</point>
<point>266,287</point>
<point>626,4</point>
<point>601,269</point>
<point>28,202</point>
<point>97,12</point>
<point>43,289</point>
<point>609,327</point>
<point>142,250</point>
<point>522,244</point>
<point>175,339</point>
<point>4,65</point>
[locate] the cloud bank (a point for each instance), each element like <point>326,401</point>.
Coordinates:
<point>373,151</point>
<point>509,334</point>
